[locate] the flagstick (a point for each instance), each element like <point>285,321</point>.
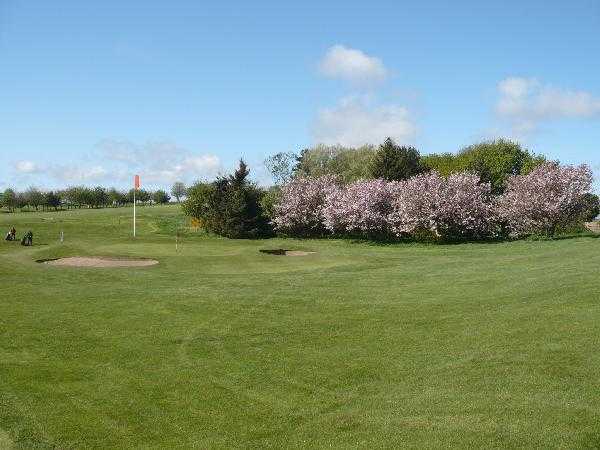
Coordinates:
<point>134,211</point>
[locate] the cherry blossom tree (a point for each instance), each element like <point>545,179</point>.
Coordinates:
<point>299,210</point>
<point>544,199</point>
<point>360,207</point>
<point>454,208</point>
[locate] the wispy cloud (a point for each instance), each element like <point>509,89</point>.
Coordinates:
<point>352,65</point>
<point>527,102</point>
<point>24,167</point>
<point>160,161</point>
<point>114,162</point>
<point>70,173</point>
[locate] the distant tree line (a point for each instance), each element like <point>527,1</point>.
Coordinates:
<point>76,197</point>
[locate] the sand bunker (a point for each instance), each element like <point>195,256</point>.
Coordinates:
<point>82,261</point>
<point>283,252</point>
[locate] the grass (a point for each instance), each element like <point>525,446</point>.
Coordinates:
<point>357,345</point>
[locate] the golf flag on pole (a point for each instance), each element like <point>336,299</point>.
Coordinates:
<point>136,186</point>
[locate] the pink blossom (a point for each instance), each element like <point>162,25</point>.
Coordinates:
<point>541,200</point>
<point>361,206</point>
<point>300,207</point>
<point>457,207</point>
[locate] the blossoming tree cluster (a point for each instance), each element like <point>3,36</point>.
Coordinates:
<point>456,207</point>
<point>545,199</point>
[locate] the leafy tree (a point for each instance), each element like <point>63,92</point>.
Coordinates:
<point>346,163</point>
<point>444,163</point>
<point>33,197</point>
<point>178,190</point>
<point>588,208</point>
<point>531,162</point>
<point>269,199</point>
<point>9,199</point>
<point>141,196</point>
<point>394,163</point>
<point>22,201</point>
<point>281,166</point>
<point>160,197</point>
<point>98,197</point>
<point>116,198</point>
<point>494,162</point>
<point>71,196</point>
<point>199,202</point>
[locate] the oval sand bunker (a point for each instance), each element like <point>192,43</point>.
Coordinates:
<point>81,261</point>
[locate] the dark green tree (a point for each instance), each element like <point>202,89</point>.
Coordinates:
<point>98,197</point>
<point>230,206</point>
<point>394,163</point>
<point>52,200</point>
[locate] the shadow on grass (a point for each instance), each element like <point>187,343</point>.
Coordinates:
<point>386,241</point>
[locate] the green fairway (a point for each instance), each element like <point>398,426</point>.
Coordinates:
<point>356,345</point>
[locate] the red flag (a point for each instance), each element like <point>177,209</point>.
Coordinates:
<point>136,181</point>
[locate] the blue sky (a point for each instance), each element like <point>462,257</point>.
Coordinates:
<point>93,92</point>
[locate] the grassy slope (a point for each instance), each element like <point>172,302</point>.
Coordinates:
<point>490,345</point>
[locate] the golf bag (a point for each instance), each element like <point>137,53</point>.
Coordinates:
<point>27,239</point>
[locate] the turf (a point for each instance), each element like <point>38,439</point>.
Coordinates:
<point>356,345</point>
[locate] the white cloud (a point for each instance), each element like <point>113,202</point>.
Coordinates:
<point>352,65</point>
<point>27,167</point>
<point>525,102</point>
<point>202,164</point>
<point>353,122</point>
